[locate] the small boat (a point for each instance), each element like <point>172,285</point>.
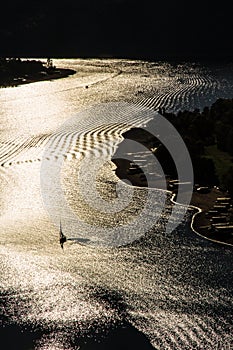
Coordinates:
<point>78,240</point>
<point>63,238</point>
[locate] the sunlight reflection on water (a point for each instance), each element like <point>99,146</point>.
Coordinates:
<point>176,288</point>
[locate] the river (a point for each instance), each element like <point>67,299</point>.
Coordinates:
<point>122,280</point>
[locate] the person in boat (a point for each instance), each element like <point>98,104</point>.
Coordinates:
<point>63,238</point>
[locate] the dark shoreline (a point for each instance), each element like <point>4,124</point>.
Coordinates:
<point>58,74</point>
<point>203,202</point>
<point>15,72</point>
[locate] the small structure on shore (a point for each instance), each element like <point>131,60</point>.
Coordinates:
<point>220,225</point>
<point>218,219</point>
<point>221,208</point>
<point>223,200</point>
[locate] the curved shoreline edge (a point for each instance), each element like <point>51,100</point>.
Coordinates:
<point>37,77</point>
<point>189,206</point>
<point>199,211</point>
<point>201,202</point>
<point>205,237</point>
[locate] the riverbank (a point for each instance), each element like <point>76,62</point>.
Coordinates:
<point>209,218</point>
<point>57,74</point>
<point>14,72</point>
<point>202,222</point>
<point>211,222</point>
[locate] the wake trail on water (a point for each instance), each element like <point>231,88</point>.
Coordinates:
<point>175,287</point>
<point>175,88</point>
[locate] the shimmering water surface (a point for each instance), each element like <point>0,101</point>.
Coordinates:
<point>173,288</point>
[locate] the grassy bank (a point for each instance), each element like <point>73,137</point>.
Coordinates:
<point>223,161</point>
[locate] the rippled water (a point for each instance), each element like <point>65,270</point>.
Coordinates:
<point>174,287</point>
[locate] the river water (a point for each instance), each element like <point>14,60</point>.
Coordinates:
<point>122,280</point>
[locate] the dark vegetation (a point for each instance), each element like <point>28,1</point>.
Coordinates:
<point>15,71</point>
<point>208,135</point>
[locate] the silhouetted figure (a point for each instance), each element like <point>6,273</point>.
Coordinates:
<point>63,238</point>
<point>49,63</point>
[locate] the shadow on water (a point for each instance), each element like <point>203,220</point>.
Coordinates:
<point>28,335</point>
<point>122,336</point>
